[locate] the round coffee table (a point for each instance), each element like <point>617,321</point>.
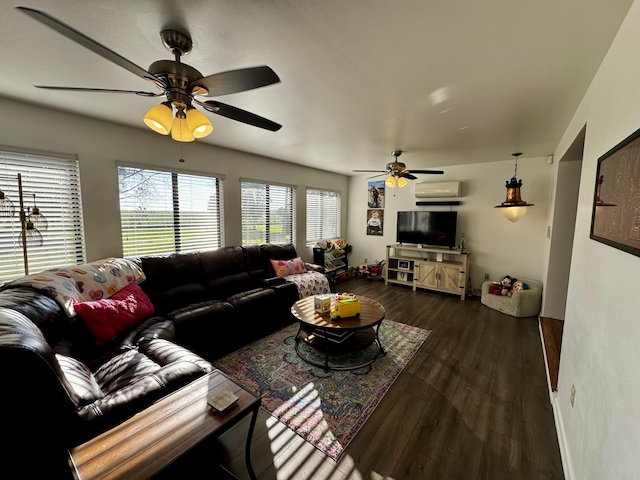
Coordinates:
<point>338,336</point>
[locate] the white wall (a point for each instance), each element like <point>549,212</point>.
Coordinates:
<point>498,246</point>
<point>600,434</point>
<point>100,145</point>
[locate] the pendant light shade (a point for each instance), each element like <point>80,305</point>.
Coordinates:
<point>514,208</point>
<point>160,118</point>
<point>38,219</point>
<point>199,124</point>
<point>402,182</point>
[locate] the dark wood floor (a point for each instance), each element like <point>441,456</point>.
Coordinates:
<point>472,404</point>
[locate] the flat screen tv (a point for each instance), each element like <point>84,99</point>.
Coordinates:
<point>434,229</point>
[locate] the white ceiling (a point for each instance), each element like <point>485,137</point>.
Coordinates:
<point>449,82</point>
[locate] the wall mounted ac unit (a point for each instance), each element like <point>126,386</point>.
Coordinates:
<point>438,189</point>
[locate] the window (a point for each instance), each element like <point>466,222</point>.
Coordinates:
<point>165,212</point>
<point>323,215</point>
<point>54,180</point>
<point>267,214</point>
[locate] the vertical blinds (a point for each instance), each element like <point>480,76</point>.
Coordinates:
<point>56,184</point>
<point>165,212</point>
<point>323,215</point>
<point>267,214</point>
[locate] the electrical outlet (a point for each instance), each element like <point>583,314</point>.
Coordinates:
<point>365,260</point>
<point>572,398</point>
<point>486,276</point>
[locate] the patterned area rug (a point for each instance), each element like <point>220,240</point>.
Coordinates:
<point>326,409</point>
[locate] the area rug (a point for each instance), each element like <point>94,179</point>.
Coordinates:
<point>327,409</point>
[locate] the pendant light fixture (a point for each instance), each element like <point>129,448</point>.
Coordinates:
<point>514,208</point>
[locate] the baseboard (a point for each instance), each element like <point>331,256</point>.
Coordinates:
<point>567,466</point>
<point>557,417</point>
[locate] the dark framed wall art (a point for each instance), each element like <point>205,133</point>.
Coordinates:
<point>615,219</point>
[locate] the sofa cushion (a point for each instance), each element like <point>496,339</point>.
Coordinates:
<point>225,271</point>
<point>276,252</point>
<point>173,281</point>
<point>85,387</point>
<point>107,317</point>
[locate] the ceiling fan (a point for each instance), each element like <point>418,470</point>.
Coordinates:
<point>398,172</point>
<point>180,83</point>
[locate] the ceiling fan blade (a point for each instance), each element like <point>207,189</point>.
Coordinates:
<point>433,172</point>
<point>406,174</point>
<point>89,43</point>
<point>234,81</point>
<point>376,176</point>
<point>105,90</point>
<point>370,171</point>
<point>240,115</point>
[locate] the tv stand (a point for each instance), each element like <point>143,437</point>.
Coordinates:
<point>431,268</point>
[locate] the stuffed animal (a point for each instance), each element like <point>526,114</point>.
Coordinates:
<point>503,287</point>
<point>519,286</point>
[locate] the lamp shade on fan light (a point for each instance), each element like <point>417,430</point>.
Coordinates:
<point>402,182</point>
<point>180,131</point>
<point>199,124</point>
<point>390,182</point>
<point>160,118</point>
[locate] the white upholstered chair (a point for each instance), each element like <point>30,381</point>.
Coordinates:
<point>523,303</point>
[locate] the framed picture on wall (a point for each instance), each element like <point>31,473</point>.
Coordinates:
<point>375,220</point>
<point>615,219</point>
<point>375,194</point>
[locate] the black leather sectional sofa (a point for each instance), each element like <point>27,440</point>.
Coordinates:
<point>59,388</point>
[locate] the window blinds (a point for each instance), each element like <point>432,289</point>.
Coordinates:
<point>323,215</point>
<point>165,212</point>
<point>56,184</point>
<point>267,214</point>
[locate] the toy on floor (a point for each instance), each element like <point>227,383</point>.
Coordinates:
<point>504,287</point>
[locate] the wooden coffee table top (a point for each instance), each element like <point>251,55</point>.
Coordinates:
<point>153,438</point>
<point>371,313</point>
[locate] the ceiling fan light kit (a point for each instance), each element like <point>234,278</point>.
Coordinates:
<point>180,83</point>
<point>514,208</point>
<point>398,172</point>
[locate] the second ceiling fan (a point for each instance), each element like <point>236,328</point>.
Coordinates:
<point>398,172</point>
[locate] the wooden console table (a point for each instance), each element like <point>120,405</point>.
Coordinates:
<point>440,269</point>
<point>147,442</point>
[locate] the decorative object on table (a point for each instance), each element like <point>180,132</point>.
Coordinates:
<point>322,303</point>
<point>375,221</point>
<point>345,305</point>
<point>514,208</point>
<point>327,409</point>
<point>375,194</point>
<point>615,218</point>
<point>223,400</point>
<point>31,220</point>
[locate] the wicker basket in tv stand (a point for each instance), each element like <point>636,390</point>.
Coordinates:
<point>440,269</point>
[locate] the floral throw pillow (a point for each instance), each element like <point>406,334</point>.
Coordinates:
<point>288,267</point>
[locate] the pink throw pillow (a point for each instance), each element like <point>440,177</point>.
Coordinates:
<point>107,317</point>
<point>288,267</point>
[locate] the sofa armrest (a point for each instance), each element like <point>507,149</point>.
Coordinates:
<point>314,267</point>
<point>274,281</point>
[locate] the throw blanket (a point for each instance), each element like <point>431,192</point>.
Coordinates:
<point>310,283</point>
<point>83,283</point>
